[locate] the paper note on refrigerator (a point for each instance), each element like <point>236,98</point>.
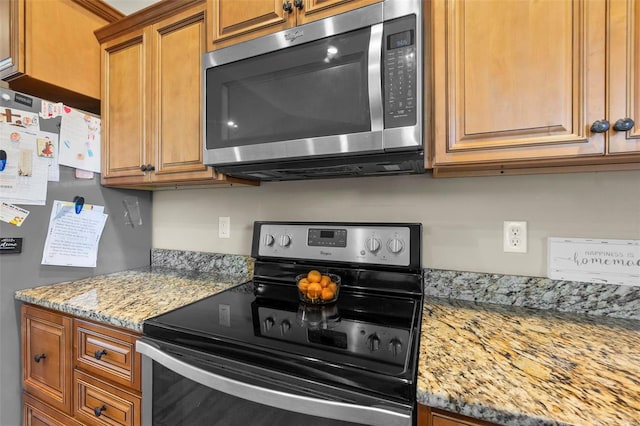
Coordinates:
<point>80,140</point>
<point>73,238</point>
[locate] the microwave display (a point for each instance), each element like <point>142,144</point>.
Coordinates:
<point>398,40</point>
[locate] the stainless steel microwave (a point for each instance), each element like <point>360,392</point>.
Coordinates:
<point>337,97</point>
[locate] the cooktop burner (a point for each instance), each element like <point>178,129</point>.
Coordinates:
<point>366,340</point>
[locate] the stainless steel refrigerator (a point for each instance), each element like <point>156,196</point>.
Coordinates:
<point>122,246</point>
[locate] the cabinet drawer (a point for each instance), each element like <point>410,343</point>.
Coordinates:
<point>107,353</point>
<point>46,356</point>
<point>98,403</point>
<point>36,413</point>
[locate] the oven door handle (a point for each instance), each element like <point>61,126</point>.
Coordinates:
<point>369,415</point>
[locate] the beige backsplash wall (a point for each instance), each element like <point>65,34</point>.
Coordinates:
<point>462,217</point>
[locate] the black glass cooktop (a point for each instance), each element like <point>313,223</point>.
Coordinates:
<point>365,341</point>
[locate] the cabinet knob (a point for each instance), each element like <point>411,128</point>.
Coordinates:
<point>286,6</point>
<point>600,126</point>
<point>143,167</point>
<point>98,410</point>
<point>98,354</point>
<point>298,4</point>
<point>37,358</point>
<point>623,124</point>
<point>150,167</point>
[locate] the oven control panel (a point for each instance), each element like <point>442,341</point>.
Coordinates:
<point>381,245</point>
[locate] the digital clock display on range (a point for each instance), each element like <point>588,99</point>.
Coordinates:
<point>398,40</point>
<point>327,237</point>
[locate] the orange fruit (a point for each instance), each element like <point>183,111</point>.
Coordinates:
<point>314,291</point>
<point>333,287</point>
<point>303,284</point>
<point>327,294</point>
<point>325,280</point>
<point>314,276</point>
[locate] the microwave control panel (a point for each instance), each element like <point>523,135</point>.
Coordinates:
<point>399,61</point>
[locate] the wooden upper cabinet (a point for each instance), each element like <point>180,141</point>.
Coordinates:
<point>179,42</point>
<point>517,80</point>
<point>124,110</point>
<point>47,49</point>
<point>152,99</point>
<point>624,75</point>
<point>234,21</point>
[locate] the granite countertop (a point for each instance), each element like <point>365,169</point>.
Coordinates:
<point>125,299</point>
<point>522,366</point>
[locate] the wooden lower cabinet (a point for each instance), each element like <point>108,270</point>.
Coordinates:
<point>428,416</point>
<point>78,372</point>
<point>37,413</point>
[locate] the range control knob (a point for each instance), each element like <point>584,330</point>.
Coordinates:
<point>373,244</point>
<point>373,342</point>
<point>395,245</point>
<point>395,346</point>
<point>285,326</point>
<point>284,241</point>
<point>269,240</point>
<point>268,323</point>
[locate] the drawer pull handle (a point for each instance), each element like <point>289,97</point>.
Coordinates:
<point>99,354</point>
<point>98,410</point>
<point>37,358</point>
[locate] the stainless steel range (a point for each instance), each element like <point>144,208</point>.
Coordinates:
<point>257,355</point>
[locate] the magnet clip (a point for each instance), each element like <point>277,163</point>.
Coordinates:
<point>79,203</point>
<point>3,159</point>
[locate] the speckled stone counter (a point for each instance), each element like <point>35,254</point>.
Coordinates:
<point>520,366</point>
<point>126,299</point>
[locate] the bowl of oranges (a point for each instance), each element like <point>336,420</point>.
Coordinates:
<point>317,288</point>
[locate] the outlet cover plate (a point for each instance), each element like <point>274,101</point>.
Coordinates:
<point>515,237</point>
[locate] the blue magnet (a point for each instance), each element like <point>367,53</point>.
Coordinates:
<point>79,203</point>
<point>3,159</point>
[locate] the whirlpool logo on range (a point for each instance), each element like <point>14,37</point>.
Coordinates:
<point>326,253</point>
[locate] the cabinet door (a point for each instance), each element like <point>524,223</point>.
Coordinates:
<point>233,21</point>
<point>46,357</point>
<point>624,74</point>
<point>35,413</point>
<point>179,43</point>
<point>124,110</point>
<point>517,80</point>
<point>317,9</point>
<point>11,48</point>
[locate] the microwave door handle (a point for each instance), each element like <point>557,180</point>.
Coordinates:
<point>374,416</point>
<point>375,78</point>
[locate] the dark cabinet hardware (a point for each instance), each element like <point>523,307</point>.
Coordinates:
<point>98,354</point>
<point>623,124</point>
<point>37,358</point>
<point>600,126</point>
<point>143,167</point>
<point>298,4</point>
<point>286,6</point>
<point>98,410</point>
<point>147,168</point>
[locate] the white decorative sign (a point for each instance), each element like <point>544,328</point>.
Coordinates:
<point>594,261</point>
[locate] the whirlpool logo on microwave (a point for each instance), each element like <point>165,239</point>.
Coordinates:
<point>291,36</point>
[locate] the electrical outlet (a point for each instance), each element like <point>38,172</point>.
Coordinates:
<point>515,237</point>
<point>224,227</point>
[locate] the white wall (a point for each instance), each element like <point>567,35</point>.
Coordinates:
<point>462,217</point>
